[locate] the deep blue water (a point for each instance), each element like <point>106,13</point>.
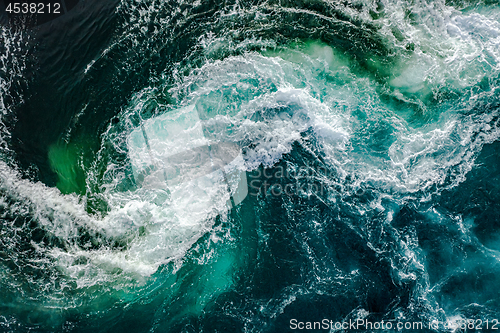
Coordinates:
<point>251,166</point>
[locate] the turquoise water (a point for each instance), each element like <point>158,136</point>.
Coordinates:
<point>245,166</point>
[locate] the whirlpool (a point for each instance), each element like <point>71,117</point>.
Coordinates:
<point>249,166</point>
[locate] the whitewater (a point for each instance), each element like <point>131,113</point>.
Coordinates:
<point>246,166</point>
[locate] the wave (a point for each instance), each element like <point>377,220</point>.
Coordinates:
<point>146,204</point>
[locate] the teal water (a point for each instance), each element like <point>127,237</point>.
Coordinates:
<point>172,166</point>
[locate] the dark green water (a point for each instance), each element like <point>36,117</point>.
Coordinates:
<point>243,166</point>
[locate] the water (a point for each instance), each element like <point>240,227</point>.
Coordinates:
<point>249,166</point>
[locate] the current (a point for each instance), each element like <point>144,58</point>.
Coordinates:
<point>251,166</point>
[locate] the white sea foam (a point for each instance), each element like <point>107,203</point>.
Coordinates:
<point>264,103</point>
